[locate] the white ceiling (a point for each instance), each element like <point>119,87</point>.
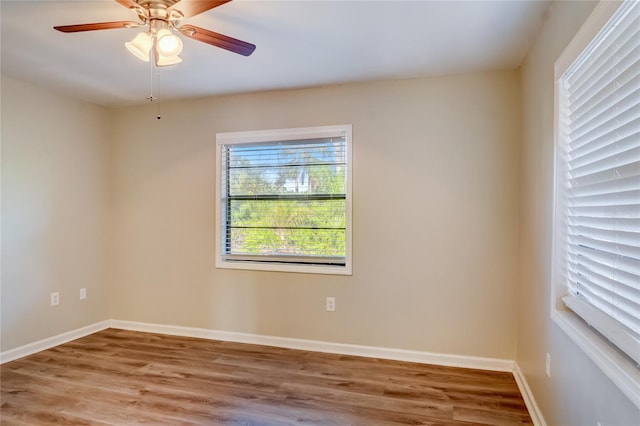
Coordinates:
<point>300,43</point>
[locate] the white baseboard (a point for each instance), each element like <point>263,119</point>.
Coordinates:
<point>494,364</point>
<point>41,345</point>
<point>527,395</point>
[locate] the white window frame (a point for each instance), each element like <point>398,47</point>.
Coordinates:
<point>622,370</point>
<point>284,135</point>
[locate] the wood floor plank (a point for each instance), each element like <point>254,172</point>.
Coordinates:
<point>118,377</point>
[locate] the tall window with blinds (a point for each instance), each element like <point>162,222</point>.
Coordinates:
<point>598,181</point>
<point>284,200</point>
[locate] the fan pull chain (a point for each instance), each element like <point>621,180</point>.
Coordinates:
<point>158,116</point>
<point>152,98</point>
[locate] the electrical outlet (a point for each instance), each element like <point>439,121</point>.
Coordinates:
<point>83,293</point>
<point>547,365</point>
<point>55,298</point>
<point>331,304</point>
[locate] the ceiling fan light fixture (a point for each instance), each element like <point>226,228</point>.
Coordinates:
<point>167,43</point>
<point>140,46</point>
<point>164,61</point>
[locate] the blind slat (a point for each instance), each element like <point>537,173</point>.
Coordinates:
<point>614,261</point>
<point>622,212</point>
<point>619,74</point>
<point>613,224</point>
<point>614,287</point>
<point>611,198</point>
<point>595,237</point>
<point>628,183</point>
<point>605,132</point>
<point>626,281</point>
<point>611,139</point>
<point>614,160</point>
<point>616,248</point>
<point>583,157</point>
<point>629,170</point>
<point>598,113</point>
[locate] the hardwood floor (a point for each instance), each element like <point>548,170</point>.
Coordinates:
<point>118,377</point>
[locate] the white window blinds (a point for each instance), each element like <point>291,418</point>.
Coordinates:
<point>284,200</point>
<point>598,181</point>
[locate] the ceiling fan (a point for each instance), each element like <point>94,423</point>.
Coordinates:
<point>161,18</point>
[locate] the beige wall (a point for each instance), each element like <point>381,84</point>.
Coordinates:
<point>54,209</point>
<point>578,393</point>
<point>435,217</point>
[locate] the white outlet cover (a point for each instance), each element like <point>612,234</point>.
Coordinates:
<point>547,365</point>
<point>83,293</point>
<point>331,304</point>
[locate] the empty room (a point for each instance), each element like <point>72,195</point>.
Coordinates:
<point>320,212</point>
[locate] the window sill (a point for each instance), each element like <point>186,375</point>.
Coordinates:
<point>284,267</point>
<point>622,371</point>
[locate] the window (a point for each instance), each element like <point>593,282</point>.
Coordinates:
<point>284,200</point>
<point>597,226</point>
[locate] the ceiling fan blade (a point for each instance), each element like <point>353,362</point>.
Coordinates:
<point>129,4</point>
<point>190,8</point>
<point>97,26</point>
<point>219,40</point>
